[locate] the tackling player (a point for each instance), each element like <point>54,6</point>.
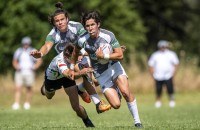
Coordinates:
<point>56,76</point>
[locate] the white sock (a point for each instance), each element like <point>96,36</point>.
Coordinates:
<point>80,87</point>
<point>132,106</point>
<point>95,98</point>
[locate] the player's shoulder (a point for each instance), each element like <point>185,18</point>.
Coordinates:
<point>106,34</point>
<point>74,27</point>
<point>73,23</point>
<point>53,31</point>
<point>84,37</point>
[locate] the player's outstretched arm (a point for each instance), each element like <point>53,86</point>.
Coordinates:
<point>43,51</point>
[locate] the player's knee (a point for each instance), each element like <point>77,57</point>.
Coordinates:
<point>116,106</point>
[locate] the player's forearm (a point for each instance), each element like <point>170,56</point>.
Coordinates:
<point>116,56</point>
<point>45,48</point>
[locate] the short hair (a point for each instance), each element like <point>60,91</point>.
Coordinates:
<point>69,48</point>
<point>90,15</point>
<point>59,10</point>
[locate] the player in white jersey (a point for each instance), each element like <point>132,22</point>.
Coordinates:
<point>111,74</point>
<point>163,65</point>
<point>56,76</point>
<point>63,33</point>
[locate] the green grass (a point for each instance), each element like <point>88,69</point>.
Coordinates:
<point>57,114</point>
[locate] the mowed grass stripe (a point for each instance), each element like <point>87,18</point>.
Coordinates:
<point>58,115</point>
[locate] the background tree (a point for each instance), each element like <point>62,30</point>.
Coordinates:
<point>173,20</point>
<point>138,24</point>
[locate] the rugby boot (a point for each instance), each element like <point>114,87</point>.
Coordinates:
<point>102,107</point>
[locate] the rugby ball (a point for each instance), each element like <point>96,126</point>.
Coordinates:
<point>106,49</point>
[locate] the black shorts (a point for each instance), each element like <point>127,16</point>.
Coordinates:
<point>53,85</point>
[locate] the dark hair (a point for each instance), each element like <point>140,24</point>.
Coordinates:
<point>59,10</point>
<point>68,49</point>
<point>90,15</point>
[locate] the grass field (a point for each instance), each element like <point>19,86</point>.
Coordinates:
<point>57,114</point>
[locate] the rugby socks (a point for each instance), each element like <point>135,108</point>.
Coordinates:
<point>132,106</point>
<point>95,98</point>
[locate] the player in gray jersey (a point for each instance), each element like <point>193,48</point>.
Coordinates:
<point>63,33</point>
<point>110,75</point>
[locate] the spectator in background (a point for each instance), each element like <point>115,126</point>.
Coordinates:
<point>25,66</point>
<point>163,65</point>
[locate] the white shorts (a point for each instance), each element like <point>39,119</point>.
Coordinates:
<point>24,79</point>
<point>108,77</point>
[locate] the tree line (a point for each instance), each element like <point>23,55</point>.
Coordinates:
<point>138,24</point>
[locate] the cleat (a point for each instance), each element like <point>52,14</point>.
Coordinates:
<point>42,90</point>
<point>102,107</point>
<point>85,97</point>
<point>88,123</point>
<point>138,125</point>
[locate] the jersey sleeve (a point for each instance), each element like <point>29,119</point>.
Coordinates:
<point>50,36</point>
<point>81,30</point>
<point>81,41</point>
<point>114,42</point>
<point>62,66</point>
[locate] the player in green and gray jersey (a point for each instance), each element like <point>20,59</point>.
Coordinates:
<point>112,74</point>
<point>91,45</point>
<point>63,32</point>
<point>61,39</point>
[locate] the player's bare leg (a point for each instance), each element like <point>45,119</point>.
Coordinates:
<point>80,111</point>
